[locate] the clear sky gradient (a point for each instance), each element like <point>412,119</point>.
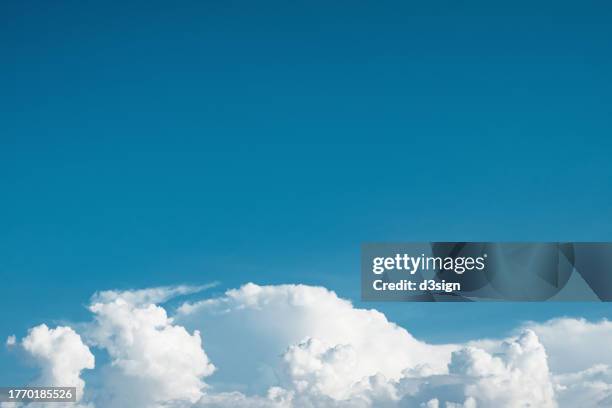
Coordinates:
<point>156,143</point>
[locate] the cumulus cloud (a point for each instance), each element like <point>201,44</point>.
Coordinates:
<point>275,318</point>
<point>61,355</point>
<point>575,344</point>
<point>588,388</point>
<point>579,357</point>
<point>294,346</point>
<point>517,377</point>
<point>153,361</point>
<point>319,374</point>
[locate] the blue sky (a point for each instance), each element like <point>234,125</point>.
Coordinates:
<point>152,144</point>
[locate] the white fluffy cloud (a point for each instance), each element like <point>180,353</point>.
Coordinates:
<point>517,377</point>
<point>338,354</point>
<point>61,355</point>
<point>275,318</point>
<point>588,388</point>
<point>579,357</point>
<point>575,344</point>
<point>153,361</point>
<point>300,346</point>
